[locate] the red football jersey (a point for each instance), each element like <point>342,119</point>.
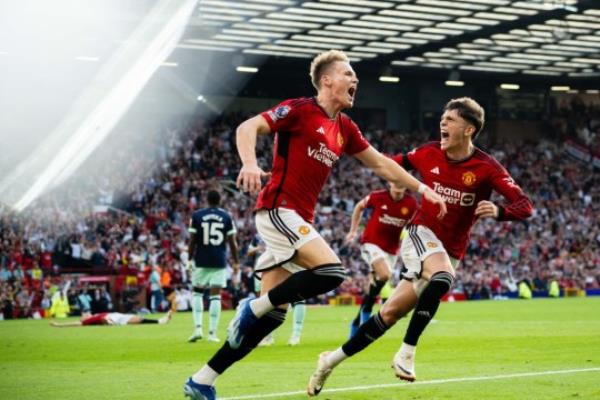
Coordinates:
<point>387,220</point>
<point>307,145</point>
<point>95,319</point>
<point>462,184</point>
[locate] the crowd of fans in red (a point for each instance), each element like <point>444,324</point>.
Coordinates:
<point>124,221</point>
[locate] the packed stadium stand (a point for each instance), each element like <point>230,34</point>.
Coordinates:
<point>95,246</point>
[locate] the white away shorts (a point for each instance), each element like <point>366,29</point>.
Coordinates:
<point>118,318</point>
<point>371,252</point>
<point>284,232</point>
<point>419,242</point>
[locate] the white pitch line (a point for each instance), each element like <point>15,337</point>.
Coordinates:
<point>418,383</point>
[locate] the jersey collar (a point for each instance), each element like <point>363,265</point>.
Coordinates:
<point>462,160</point>
<point>314,99</point>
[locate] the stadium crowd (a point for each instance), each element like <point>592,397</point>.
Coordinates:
<point>129,221</point>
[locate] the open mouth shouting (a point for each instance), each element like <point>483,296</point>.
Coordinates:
<point>445,136</point>
<point>352,93</point>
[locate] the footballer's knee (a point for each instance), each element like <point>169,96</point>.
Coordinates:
<point>381,270</point>
<point>383,276</point>
<point>390,315</point>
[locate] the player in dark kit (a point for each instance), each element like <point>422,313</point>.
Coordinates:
<point>465,176</point>
<point>380,241</point>
<point>210,229</point>
<point>311,135</point>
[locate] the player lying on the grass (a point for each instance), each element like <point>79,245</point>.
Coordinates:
<point>431,250</point>
<point>113,318</point>
<point>311,135</point>
<point>380,241</point>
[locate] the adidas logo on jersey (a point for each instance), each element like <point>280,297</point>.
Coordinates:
<point>384,207</point>
<point>321,130</point>
<point>435,170</point>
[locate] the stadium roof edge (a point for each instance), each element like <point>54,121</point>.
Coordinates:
<point>485,32</point>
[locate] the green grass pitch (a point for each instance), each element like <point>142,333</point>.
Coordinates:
<point>537,349</point>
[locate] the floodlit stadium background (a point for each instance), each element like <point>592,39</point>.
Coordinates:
<point>81,81</point>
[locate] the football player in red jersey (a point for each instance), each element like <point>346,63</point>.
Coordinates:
<point>465,176</point>
<point>311,134</point>
<point>113,318</point>
<point>380,241</point>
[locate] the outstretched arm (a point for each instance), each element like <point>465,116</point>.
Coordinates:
<point>249,178</point>
<point>66,324</point>
<point>389,170</point>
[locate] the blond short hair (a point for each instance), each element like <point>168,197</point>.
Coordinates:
<point>321,62</point>
<point>469,110</point>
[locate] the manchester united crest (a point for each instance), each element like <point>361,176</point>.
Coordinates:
<point>469,178</point>
<point>304,230</point>
<point>404,210</point>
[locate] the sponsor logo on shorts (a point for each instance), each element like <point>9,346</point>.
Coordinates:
<point>469,178</point>
<point>432,245</point>
<point>304,230</point>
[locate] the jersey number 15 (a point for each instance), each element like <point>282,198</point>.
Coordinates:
<point>212,233</point>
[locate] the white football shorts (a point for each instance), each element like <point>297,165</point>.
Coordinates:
<point>371,252</point>
<point>419,243</point>
<point>118,318</point>
<point>284,232</point>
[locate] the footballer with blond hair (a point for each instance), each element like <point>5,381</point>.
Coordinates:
<point>310,135</point>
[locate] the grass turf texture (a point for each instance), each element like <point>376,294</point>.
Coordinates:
<point>468,339</point>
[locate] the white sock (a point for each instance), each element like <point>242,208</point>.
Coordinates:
<point>407,348</point>
<point>261,305</point>
<point>205,376</point>
<point>336,357</point>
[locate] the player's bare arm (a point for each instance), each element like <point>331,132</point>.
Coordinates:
<point>66,324</point>
<point>356,216</point>
<point>249,178</point>
<point>389,170</point>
